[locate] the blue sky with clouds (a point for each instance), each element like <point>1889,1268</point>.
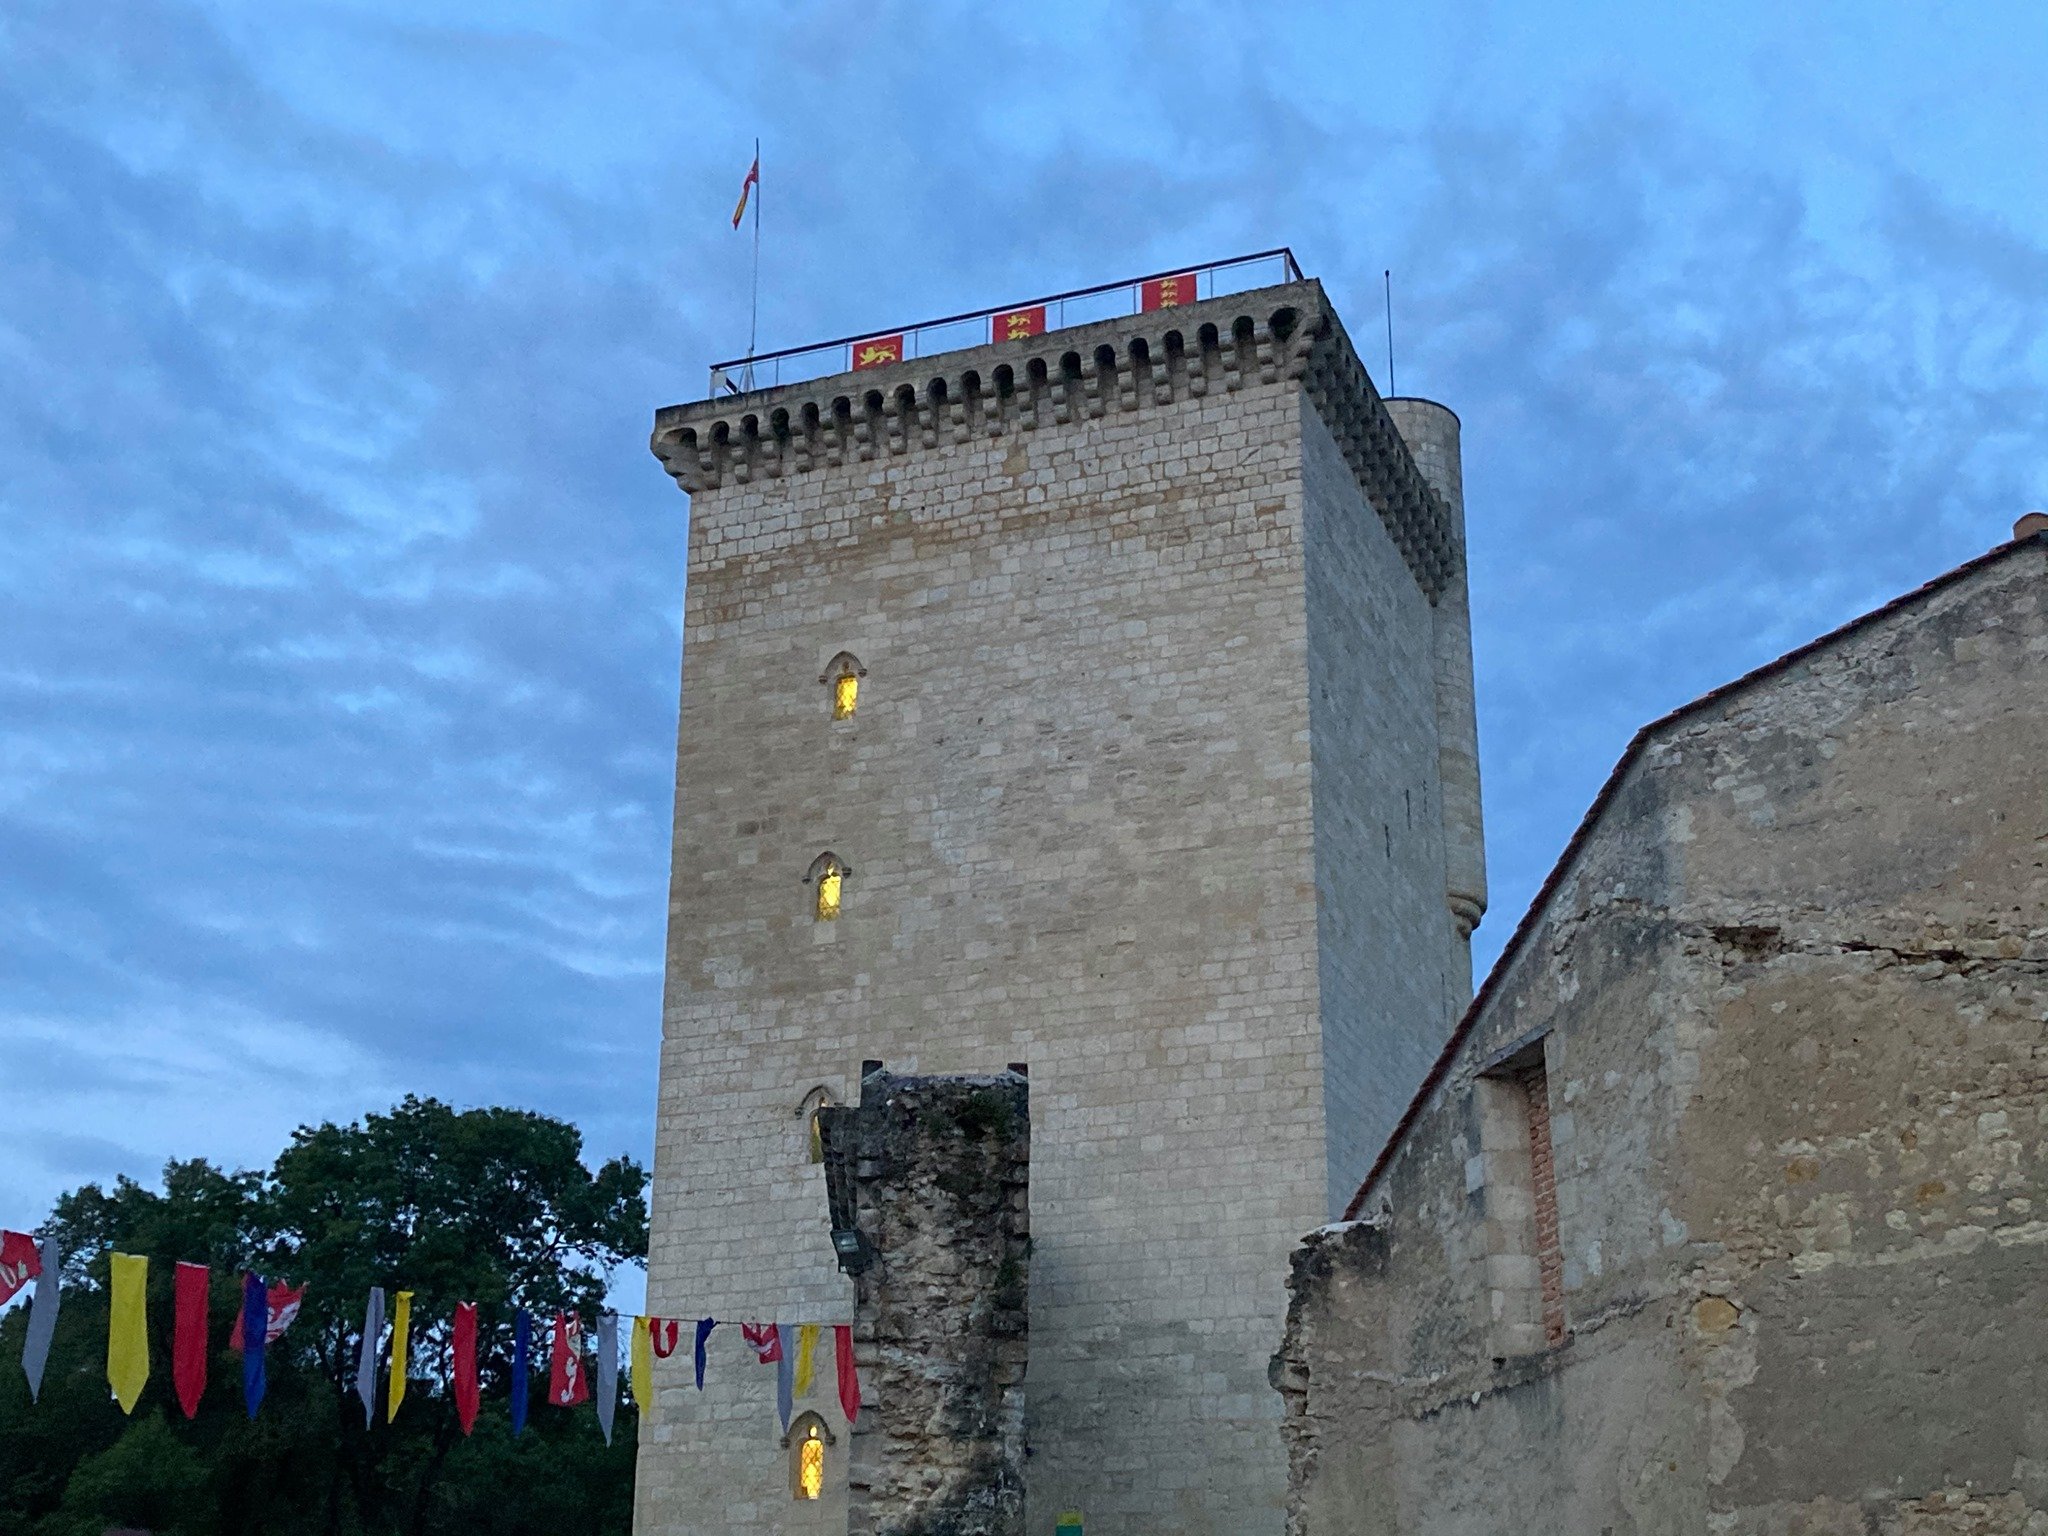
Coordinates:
<point>339,596</point>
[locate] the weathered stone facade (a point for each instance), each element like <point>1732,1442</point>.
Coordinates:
<point>933,1175</point>
<point>1785,1004</point>
<point>1157,780</point>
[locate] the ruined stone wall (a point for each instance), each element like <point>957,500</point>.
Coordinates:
<point>1076,804</point>
<point>1791,998</point>
<point>938,1174</point>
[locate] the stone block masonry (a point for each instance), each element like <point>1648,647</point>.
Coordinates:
<point>1767,1257</point>
<point>934,1173</point>
<point>1141,786</point>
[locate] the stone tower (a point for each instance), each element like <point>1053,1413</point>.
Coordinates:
<point>1161,780</point>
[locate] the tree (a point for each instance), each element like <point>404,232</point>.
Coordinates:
<point>493,1206</point>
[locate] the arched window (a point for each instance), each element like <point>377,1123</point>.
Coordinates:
<point>807,1442</point>
<point>828,874</point>
<point>842,675</point>
<point>810,1107</point>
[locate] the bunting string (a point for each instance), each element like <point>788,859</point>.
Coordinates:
<point>269,1309</point>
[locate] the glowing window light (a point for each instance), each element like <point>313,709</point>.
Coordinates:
<point>810,1465</point>
<point>845,695</point>
<point>828,893</point>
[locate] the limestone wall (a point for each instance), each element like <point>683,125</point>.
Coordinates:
<point>1076,801</point>
<point>1392,969</point>
<point>1791,998</point>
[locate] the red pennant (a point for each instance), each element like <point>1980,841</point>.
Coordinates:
<point>663,1334</point>
<point>20,1262</point>
<point>849,1383</point>
<point>465,1365</point>
<point>568,1381</point>
<point>281,1303</point>
<point>765,1339</point>
<point>188,1337</point>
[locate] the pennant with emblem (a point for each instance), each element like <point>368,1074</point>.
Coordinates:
<point>1013,324</point>
<point>878,351</point>
<point>1166,292</point>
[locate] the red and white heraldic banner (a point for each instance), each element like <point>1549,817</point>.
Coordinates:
<point>1165,292</point>
<point>1013,323</point>
<point>878,351</point>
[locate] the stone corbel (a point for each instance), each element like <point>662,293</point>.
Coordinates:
<point>1091,383</point>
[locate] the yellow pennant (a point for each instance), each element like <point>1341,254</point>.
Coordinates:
<point>641,1363</point>
<point>128,1330</point>
<point>806,1357</point>
<point>401,1321</point>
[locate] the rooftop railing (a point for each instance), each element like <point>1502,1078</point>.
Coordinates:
<point>1033,317</point>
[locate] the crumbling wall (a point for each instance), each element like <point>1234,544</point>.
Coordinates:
<point>929,1181</point>
<point>1791,996</point>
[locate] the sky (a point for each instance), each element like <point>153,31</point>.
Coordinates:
<point>340,597</point>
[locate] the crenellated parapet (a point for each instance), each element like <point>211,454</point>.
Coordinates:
<point>1067,377</point>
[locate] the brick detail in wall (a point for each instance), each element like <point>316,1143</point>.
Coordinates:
<point>1543,1189</point>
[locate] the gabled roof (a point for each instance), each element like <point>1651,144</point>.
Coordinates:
<point>1495,978</point>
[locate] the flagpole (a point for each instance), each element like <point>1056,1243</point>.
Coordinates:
<point>754,320</point>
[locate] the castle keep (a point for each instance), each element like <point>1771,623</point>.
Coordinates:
<point>1097,702</point>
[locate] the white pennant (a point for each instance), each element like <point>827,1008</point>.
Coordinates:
<point>607,1372</point>
<point>366,1361</point>
<point>42,1320</point>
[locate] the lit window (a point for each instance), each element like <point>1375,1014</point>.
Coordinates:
<point>810,1464</point>
<point>828,874</point>
<point>842,675</point>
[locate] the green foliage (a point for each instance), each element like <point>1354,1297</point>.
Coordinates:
<point>493,1206</point>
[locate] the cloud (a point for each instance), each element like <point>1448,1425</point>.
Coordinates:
<point>337,709</point>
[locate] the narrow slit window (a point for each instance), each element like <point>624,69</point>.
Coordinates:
<point>842,677</point>
<point>811,1110</point>
<point>828,880</point>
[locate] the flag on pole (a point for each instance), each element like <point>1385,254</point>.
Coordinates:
<point>366,1355</point>
<point>42,1320</point>
<point>20,1262</point>
<point>704,1327</point>
<point>522,1346</point>
<point>255,1336</point>
<point>640,1355</point>
<point>849,1381</point>
<point>128,1329</point>
<point>401,1350</point>
<point>465,1365</point>
<point>188,1336</point>
<point>607,1371</point>
<point>746,190</point>
<point>806,1357</point>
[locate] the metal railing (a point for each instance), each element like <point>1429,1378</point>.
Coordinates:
<point>977,327</point>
